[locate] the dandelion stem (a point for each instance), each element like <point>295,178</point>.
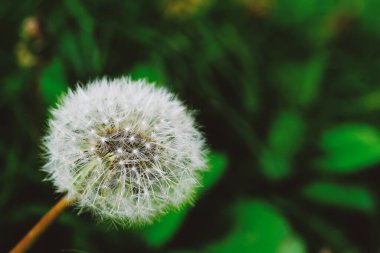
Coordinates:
<point>27,241</point>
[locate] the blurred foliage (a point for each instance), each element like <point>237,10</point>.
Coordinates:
<point>287,93</point>
<point>160,232</point>
<point>258,227</point>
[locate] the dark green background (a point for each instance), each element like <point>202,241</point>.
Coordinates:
<point>287,92</point>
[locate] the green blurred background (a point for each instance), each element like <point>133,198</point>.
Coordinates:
<point>288,92</point>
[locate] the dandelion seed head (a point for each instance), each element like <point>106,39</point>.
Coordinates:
<point>125,150</point>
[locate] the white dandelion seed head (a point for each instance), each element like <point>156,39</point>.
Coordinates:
<point>125,150</point>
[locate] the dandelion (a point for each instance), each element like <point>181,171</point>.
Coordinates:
<point>124,150</point>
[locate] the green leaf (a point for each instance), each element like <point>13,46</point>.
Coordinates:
<point>53,81</point>
<point>338,195</point>
<point>258,227</point>
<point>299,82</point>
<point>292,244</point>
<point>78,44</point>
<point>287,133</point>
<point>217,165</point>
<point>311,79</point>
<point>285,139</point>
<point>71,52</point>
<point>78,10</point>
<point>350,148</point>
<point>273,165</point>
<point>163,230</point>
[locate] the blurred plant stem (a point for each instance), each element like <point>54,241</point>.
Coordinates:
<point>28,240</point>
